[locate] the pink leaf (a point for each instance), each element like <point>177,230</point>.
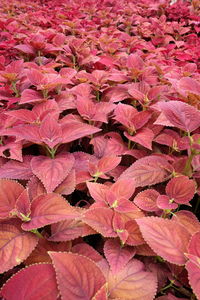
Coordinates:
<point>149,170</point>
<point>78,277</point>
<point>52,172</point>
<point>68,185</point>
<point>10,190</point>
<point>86,250</point>
<point>146,200</point>
<point>30,96</point>
<point>17,170</point>
<point>181,115</point>
<point>194,277</point>
<point>188,220</point>
<point>100,219</point>
<point>164,202</point>
<point>102,294</point>
<point>15,246</point>
<point>193,247</point>
<point>50,131</point>
<point>132,283</point>
<point>117,255</point>
<point>118,188</point>
<point>33,283</point>
<point>181,189</point>
<point>69,230</point>
<point>143,137</point>
<point>97,191</point>
<point>167,238</point>
<point>47,209</point>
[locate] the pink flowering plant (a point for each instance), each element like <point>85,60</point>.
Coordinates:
<point>99,150</point>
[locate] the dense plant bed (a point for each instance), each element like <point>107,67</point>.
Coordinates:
<point>99,150</point>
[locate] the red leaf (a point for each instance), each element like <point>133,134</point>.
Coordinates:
<point>78,277</point>
<point>30,96</point>
<point>33,283</point>
<point>68,185</point>
<point>117,255</point>
<point>10,190</point>
<point>69,230</point>
<point>132,283</point>
<point>105,164</point>
<point>148,170</point>
<point>100,219</point>
<point>181,189</point>
<point>48,209</point>
<point>181,115</point>
<point>193,247</point>
<point>194,277</point>
<point>86,250</point>
<point>143,137</point>
<point>23,205</point>
<point>17,170</point>
<point>73,130</point>
<point>52,172</point>
<point>188,220</point>
<point>50,131</point>
<point>146,200</point>
<point>102,294</point>
<point>15,246</point>
<point>164,202</point>
<point>118,188</point>
<point>167,238</point>
<point>97,191</point>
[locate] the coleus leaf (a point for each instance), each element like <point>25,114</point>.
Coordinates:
<point>48,209</point>
<point>188,220</point>
<point>69,230</point>
<point>148,170</point>
<point>52,172</point>
<point>15,246</point>
<point>146,200</point>
<point>116,255</point>
<point>143,137</point>
<point>181,189</point>
<point>132,282</point>
<point>17,170</point>
<point>163,236</point>
<point>50,131</point>
<point>102,294</point>
<point>88,251</point>
<point>194,276</point>
<point>10,190</point>
<point>181,115</point>
<point>100,219</point>
<point>31,96</point>
<point>193,247</point>
<point>78,277</point>
<point>35,282</point>
<point>104,165</point>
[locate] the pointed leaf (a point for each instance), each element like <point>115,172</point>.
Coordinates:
<point>132,283</point>
<point>50,131</point>
<point>17,170</point>
<point>15,246</point>
<point>100,219</point>
<point>194,277</point>
<point>148,170</point>
<point>188,220</point>
<point>167,238</point>
<point>181,115</point>
<point>52,172</point>
<point>88,251</point>
<point>193,247</point>
<point>116,255</point>
<point>10,190</point>
<point>181,189</point>
<point>48,209</point>
<point>78,277</point>
<point>35,282</point>
<point>146,200</point>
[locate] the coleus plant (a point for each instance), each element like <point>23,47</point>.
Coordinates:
<point>99,150</point>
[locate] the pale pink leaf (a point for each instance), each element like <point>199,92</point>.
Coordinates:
<point>167,238</point>
<point>33,283</point>
<point>78,277</point>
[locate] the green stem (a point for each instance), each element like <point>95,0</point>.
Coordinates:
<point>129,144</point>
<point>36,232</point>
<point>15,90</point>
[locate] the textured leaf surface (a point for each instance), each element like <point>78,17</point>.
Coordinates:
<point>133,283</point>
<point>181,115</point>
<point>181,189</point>
<point>193,247</point>
<point>78,277</point>
<point>194,277</point>
<point>117,255</point>
<point>10,190</point>
<point>47,209</point>
<point>146,200</point>
<point>17,170</point>
<point>52,172</point>
<point>15,246</point>
<point>167,238</point>
<point>188,220</point>
<point>33,283</point>
<point>100,219</point>
<point>148,170</point>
